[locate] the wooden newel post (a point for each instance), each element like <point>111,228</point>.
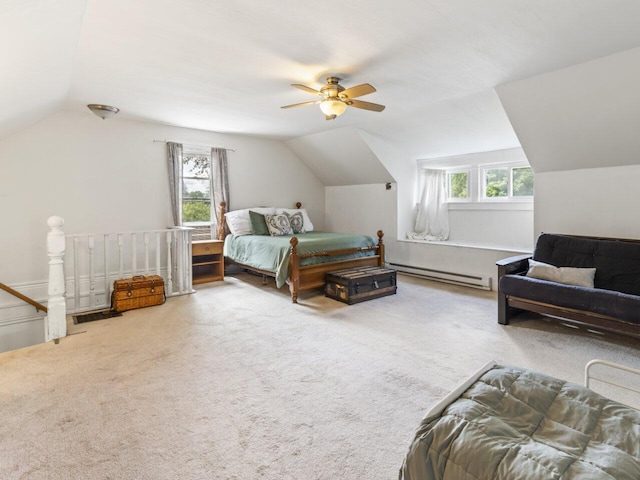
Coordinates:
<point>55,323</point>
<point>381,260</point>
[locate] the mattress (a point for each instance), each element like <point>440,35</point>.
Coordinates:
<point>272,254</point>
<point>513,423</point>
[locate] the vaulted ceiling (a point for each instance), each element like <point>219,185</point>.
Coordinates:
<point>227,66</point>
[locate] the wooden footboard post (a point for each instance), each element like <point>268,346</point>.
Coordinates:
<point>221,221</point>
<point>294,271</point>
<point>380,249</point>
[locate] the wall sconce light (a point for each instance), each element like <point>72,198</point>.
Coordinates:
<point>103,111</point>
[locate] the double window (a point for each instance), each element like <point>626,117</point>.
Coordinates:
<point>486,183</point>
<point>507,183</point>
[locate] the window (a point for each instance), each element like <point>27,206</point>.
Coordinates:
<point>496,182</point>
<point>458,185</point>
<point>507,182</point>
<point>522,182</point>
<point>196,193</point>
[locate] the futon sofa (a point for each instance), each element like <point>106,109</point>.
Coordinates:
<point>589,280</point>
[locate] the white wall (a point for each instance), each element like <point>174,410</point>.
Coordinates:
<point>109,175</point>
<point>362,209</point>
<point>403,170</point>
<point>595,201</point>
<point>495,228</point>
<point>463,260</point>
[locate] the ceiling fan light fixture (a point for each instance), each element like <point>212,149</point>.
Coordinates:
<point>103,111</point>
<point>334,98</point>
<point>333,106</point>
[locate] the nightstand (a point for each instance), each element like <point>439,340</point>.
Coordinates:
<point>207,260</point>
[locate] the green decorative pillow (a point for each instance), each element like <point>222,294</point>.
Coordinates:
<point>278,225</point>
<point>258,223</point>
<point>297,222</point>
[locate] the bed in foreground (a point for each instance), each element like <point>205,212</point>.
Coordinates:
<point>301,259</point>
<point>512,423</point>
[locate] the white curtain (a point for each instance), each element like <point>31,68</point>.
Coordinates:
<point>174,161</point>
<point>432,216</point>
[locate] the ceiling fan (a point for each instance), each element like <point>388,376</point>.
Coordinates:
<point>334,98</point>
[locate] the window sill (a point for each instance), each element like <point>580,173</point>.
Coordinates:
<point>494,248</point>
<point>497,205</point>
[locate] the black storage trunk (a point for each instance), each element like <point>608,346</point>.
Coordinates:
<point>360,284</point>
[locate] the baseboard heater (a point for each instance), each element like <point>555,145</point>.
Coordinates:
<point>474,281</point>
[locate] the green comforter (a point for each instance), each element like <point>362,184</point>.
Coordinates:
<point>517,424</point>
<point>272,253</point>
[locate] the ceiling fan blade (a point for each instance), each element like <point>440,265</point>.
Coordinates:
<point>306,89</point>
<point>357,91</point>
<point>365,105</point>
<point>302,104</point>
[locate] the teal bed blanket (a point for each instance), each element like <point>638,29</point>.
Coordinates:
<point>272,253</point>
<point>513,423</point>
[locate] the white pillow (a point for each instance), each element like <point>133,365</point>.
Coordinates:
<point>582,277</point>
<point>239,222</point>
<point>307,225</point>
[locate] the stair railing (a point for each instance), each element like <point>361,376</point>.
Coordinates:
<point>30,301</point>
<point>94,261</point>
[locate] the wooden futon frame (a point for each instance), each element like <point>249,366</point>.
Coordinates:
<point>308,277</point>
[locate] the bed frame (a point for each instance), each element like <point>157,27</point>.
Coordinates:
<point>631,385</point>
<point>308,277</point>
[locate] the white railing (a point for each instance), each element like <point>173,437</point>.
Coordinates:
<point>91,263</point>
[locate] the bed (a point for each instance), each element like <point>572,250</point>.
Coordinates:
<point>510,423</point>
<point>299,260</point>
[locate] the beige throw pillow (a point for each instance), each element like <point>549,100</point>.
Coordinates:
<point>582,277</point>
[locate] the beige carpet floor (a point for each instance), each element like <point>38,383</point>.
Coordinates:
<point>235,382</point>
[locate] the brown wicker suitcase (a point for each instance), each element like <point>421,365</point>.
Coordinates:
<point>137,292</point>
<point>355,285</point>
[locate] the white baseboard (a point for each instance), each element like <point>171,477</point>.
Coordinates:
<point>455,278</point>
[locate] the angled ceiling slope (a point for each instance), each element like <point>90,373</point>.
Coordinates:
<point>340,157</point>
<point>38,40</point>
<point>227,66</point>
<point>584,116</point>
